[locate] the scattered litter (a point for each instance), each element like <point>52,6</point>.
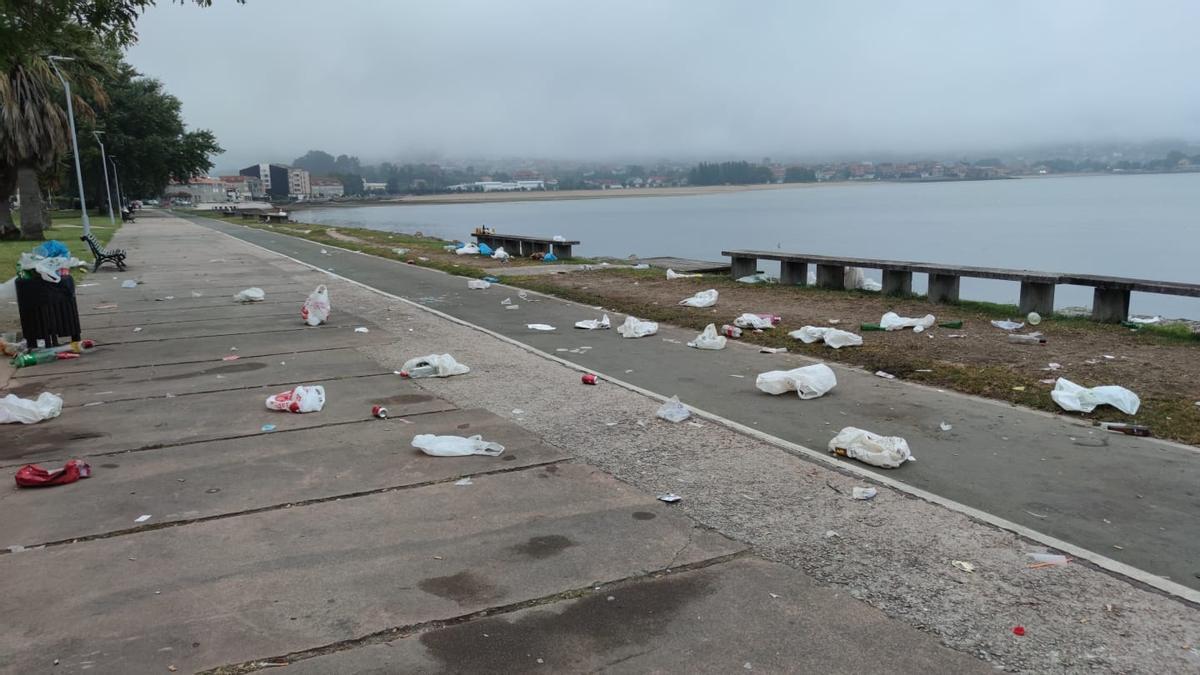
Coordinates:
<point>1127,429</point>
<point>1008,325</point>
<point>463,482</point>
<point>142,518</point>
<point>756,279</point>
<point>29,411</point>
<point>1019,631</point>
<point>1145,320</point>
<point>1118,547</point>
<point>231,357</point>
<point>702,299</point>
<point>893,321</point>
<point>963,565</point>
<point>512,307</point>
<point>1037,515</point>
<point>1046,560</point>
<point>1019,388</point>
<point>731,331</point>
<point>268,428</point>
<point>829,534</point>
<point>315,310</point>
<point>674,411</point>
<point>1070,396</point>
<point>759,321</point>
<point>506,301</point>
<point>1052,366</point>
<point>1033,318</point>
<point>588,378</point>
<point>252,294</point>
<point>362,329</point>
<point>525,296</point>
<point>808,382</point>
<point>945,427</point>
<point>379,412</point>
<point>673,341</point>
<point>129,283</point>
<point>400,251</point>
<point>1109,357</point>
<point>32,475</point>
<point>324,252</point>
<point>455,446</point>
<point>708,339</point>
<point>1050,381</point>
<point>739,376</point>
<point>923,370</point>
<point>636,328</point>
<point>1027,338</point>
<point>478,284</point>
<point>888,452</point>
<point>197,294</point>
<point>956,335</point>
<point>773,350</point>
<point>539,326</point>
<point>669,497</point>
<point>422,258</point>
<point>433,365</point>
<point>863,494</point>
<point>672,275</point>
<point>886,376</point>
<point>137,329</point>
<point>641,266</point>
<point>518,411</point>
<point>111,305</point>
<point>500,254</point>
<point>594,324</point>
<point>302,399</point>
<point>832,337</point>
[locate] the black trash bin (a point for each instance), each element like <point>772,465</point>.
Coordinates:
<point>48,310</point>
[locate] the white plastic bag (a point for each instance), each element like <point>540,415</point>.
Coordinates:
<point>455,446</point>
<point>28,411</point>
<point>893,321</point>
<point>1008,325</point>
<point>709,339</point>
<point>1070,396</point>
<point>757,279</point>
<point>636,328</point>
<point>888,452</point>
<point>593,324</point>
<point>702,299</point>
<point>434,365</point>
<point>500,254</point>
<point>302,399</point>
<point>672,275</point>
<point>752,321</point>
<point>478,284</point>
<point>469,249</point>
<point>674,411</point>
<point>539,326</point>
<point>832,337</point>
<point>316,308</point>
<point>252,294</point>
<point>808,382</point>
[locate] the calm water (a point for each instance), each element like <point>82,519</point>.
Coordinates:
<point>1137,226</point>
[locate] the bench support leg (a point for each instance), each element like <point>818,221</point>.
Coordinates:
<point>896,282</point>
<point>793,273</point>
<point>831,276</point>
<point>943,288</point>
<point>743,267</point>
<point>1037,297</point>
<point>562,251</point>
<point>1110,305</point>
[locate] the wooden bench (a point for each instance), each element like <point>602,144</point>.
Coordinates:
<point>103,255</point>
<point>522,246</point>
<point>1110,299</point>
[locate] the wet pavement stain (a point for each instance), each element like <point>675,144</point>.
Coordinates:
<point>543,547</point>
<point>643,515</point>
<point>614,629</point>
<point>464,588</point>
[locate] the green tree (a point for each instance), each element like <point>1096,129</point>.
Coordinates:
<point>316,162</point>
<point>799,174</point>
<point>352,185</point>
<point>345,164</point>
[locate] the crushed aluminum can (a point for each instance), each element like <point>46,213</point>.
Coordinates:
<point>588,378</point>
<point>379,411</point>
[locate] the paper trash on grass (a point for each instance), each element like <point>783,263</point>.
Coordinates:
<point>1072,397</point>
<point>808,382</point>
<point>702,299</point>
<point>252,294</point>
<point>672,275</point>
<point>832,337</point>
<point>433,365</point>
<point>772,350</point>
<point>893,321</point>
<point>539,326</point>
<point>594,324</point>
<point>455,446</point>
<point>756,279</point>
<point>708,339</point>
<point>674,411</point>
<point>748,320</point>
<point>1008,325</point>
<point>636,328</point>
<point>888,452</point>
<point>478,284</point>
<point>30,411</point>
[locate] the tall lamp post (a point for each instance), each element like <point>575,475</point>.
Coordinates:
<point>87,224</point>
<point>107,189</point>
<point>117,180</point>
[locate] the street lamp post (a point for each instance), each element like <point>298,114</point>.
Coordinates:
<point>87,225</point>
<point>107,189</point>
<point>117,180</point>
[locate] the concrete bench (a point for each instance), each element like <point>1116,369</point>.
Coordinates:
<point>521,246</point>
<point>1110,300</point>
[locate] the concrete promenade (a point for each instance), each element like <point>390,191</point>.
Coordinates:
<point>204,542</point>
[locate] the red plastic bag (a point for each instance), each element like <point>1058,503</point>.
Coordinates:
<point>32,475</point>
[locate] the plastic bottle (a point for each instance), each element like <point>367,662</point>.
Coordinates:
<point>731,331</point>
<point>1027,339</point>
<point>951,324</point>
<point>425,370</point>
<point>33,359</point>
<point>76,347</point>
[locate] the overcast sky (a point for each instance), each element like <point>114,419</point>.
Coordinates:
<point>686,79</point>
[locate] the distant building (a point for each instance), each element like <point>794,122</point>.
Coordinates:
<point>242,188</point>
<point>299,184</point>
<point>374,187</point>
<point>200,189</point>
<point>274,178</point>
<point>327,188</point>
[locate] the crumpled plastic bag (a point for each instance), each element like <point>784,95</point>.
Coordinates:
<point>316,308</point>
<point>593,324</point>
<point>51,249</point>
<point>32,475</point>
<point>1070,396</point>
<point>1008,325</point>
<point>549,257</point>
<point>636,328</point>
<point>434,365</point>
<point>833,337</point>
<point>752,321</point>
<point>478,284</point>
<point>468,249</point>
<point>709,339</point>
<point>808,382</point>
<point>252,294</point>
<point>500,254</point>
<point>484,249</point>
<point>702,299</point>
<point>672,275</point>
<point>674,411</point>
<point>888,452</point>
<point>855,278</point>
<point>757,279</point>
<point>47,267</point>
<point>26,411</point>
<point>893,321</point>
<point>455,446</point>
<point>302,399</point>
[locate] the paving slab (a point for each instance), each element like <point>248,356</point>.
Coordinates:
<point>88,304</point>
<point>85,388</point>
<point>234,476</point>
<point>230,590</point>
<point>230,327</point>
<point>157,422</point>
<point>213,349</point>
<point>112,319</point>
<point>742,615</point>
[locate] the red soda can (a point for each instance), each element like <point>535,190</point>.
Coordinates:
<point>379,411</point>
<point>731,331</point>
<point>588,378</point>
